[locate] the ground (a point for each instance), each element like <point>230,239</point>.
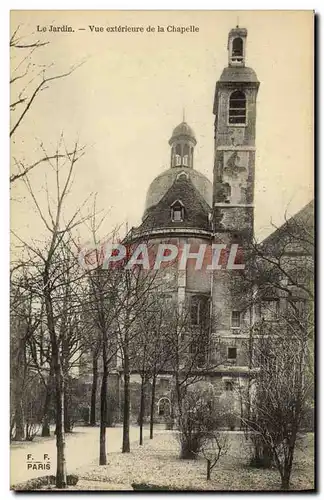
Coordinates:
<point>82,447</point>
<point>158,463</point>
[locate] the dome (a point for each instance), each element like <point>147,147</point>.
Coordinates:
<point>161,184</point>
<point>183,130</point>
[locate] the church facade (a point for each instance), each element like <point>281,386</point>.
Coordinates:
<point>183,207</point>
<point>224,303</point>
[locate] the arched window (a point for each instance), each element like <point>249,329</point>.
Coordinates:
<point>237,48</point>
<point>164,407</point>
<point>178,155</point>
<point>237,108</point>
<point>186,155</point>
<point>199,313</point>
<point>199,309</point>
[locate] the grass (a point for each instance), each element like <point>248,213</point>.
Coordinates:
<point>156,465</point>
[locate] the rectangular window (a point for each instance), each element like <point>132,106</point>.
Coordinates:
<point>194,311</point>
<point>231,353</point>
<point>236,319</point>
<point>177,214</point>
<point>229,385</point>
<point>237,108</point>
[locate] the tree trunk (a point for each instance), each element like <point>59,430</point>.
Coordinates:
<point>142,409</point>
<point>103,411</point>
<point>285,481</point>
<point>46,432</point>
<point>19,398</point>
<point>152,405</point>
<point>126,412</point>
<point>60,434</point>
<point>19,421</point>
<point>286,473</point>
<point>46,420</point>
<point>67,417</point>
<point>59,387</point>
<point>208,470</point>
<point>94,390</point>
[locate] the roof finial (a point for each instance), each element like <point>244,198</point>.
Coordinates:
<point>237,21</point>
<point>183,115</point>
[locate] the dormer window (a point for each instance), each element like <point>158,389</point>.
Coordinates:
<point>177,214</point>
<point>237,108</point>
<point>182,175</point>
<point>177,211</point>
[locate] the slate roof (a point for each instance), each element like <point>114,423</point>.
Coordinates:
<point>238,74</point>
<point>299,228</point>
<point>162,183</point>
<point>196,209</point>
<point>183,130</point>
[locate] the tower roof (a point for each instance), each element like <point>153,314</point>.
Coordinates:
<point>238,32</point>
<point>163,182</point>
<point>183,130</point>
<point>197,206</point>
<point>238,74</point>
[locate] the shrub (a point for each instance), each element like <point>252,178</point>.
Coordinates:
<point>262,456</point>
<point>198,417</point>
<point>42,482</point>
<point>146,486</point>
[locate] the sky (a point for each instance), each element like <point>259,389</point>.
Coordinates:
<point>125,99</point>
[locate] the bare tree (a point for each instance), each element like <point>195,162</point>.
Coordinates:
<point>137,290</point>
<point>133,296</point>
<point>188,345</point>
<point>215,446</point>
<point>201,418</point>
<point>150,352</point>
<point>27,81</point>
<point>100,311</point>
<point>54,282</point>
<point>281,341</point>
<point>25,318</point>
<point>279,391</point>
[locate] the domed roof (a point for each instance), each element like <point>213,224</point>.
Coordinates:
<point>164,181</point>
<point>183,129</point>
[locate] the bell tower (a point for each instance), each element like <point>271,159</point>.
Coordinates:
<point>234,159</point>
<point>233,200</point>
<point>236,47</point>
